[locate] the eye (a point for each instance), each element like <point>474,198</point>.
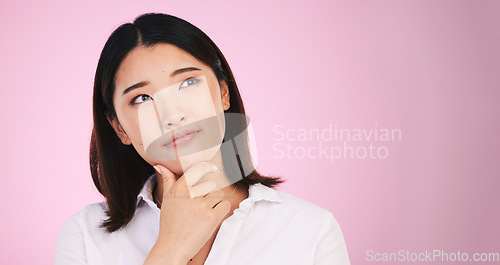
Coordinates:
<point>189,82</point>
<point>140,99</point>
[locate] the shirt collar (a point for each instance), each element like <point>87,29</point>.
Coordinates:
<point>146,193</point>
<point>256,192</point>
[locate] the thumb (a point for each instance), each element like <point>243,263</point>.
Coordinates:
<point>167,176</point>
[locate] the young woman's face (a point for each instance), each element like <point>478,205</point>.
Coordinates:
<point>169,106</point>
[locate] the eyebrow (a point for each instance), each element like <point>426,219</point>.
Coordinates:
<point>184,70</point>
<point>138,85</point>
<point>174,73</point>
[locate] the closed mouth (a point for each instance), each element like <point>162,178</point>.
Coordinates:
<point>178,136</point>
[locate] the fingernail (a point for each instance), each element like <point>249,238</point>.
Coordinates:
<point>215,168</point>
<point>157,168</point>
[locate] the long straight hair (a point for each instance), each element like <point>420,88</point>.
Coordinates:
<point>118,171</point>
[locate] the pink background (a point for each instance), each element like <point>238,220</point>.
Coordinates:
<point>428,68</point>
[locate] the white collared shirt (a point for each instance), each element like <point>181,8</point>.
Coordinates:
<point>270,227</point>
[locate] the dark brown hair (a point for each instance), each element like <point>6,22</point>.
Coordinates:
<point>118,171</point>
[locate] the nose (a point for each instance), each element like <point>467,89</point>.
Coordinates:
<point>177,121</point>
<point>169,117</point>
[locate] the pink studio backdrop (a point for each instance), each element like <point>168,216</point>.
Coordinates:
<point>426,70</point>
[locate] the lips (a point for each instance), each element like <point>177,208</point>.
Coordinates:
<point>179,136</point>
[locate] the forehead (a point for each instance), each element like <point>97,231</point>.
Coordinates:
<point>149,62</point>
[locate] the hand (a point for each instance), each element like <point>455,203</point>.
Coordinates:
<point>190,212</point>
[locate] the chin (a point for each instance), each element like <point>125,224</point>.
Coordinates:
<point>179,166</point>
<point>206,155</point>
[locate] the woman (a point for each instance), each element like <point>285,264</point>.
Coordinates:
<point>169,153</point>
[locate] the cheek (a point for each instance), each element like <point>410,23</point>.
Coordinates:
<point>134,131</point>
<point>130,123</point>
<point>209,108</point>
<point>205,108</point>
<point>205,102</point>
<point>216,98</point>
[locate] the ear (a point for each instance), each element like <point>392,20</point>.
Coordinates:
<point>224,91</point>
<point>119,131</point>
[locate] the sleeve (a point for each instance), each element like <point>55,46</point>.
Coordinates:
<point>331,249</point>
<point>70,248</point>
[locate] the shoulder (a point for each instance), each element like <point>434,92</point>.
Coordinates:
<point>313,213</point>
<point>295,223</point>
<point>90,213</point>
<point>321,230</point>
<point>282,202</point>
<point>280,206</point>
<point>89,218</point>
<point>303,205</point>
<point>70,248</point>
